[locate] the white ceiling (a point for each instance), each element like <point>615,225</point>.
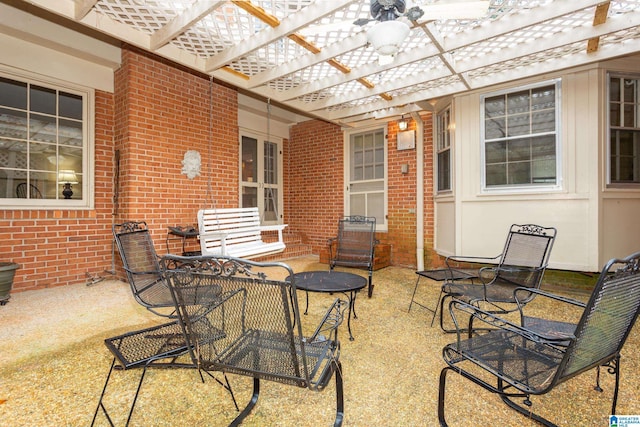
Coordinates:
<point>265,47</point>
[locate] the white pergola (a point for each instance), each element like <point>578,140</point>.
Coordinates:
<point>309,56</point>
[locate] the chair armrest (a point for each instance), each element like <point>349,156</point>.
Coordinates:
<point>465,258</point>
<point>328,327</point>
<point>545,295</point>
<point>557,339</point>
<point>487,274</point>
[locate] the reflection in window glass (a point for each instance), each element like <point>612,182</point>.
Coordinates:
<point>41,133</point>
<point>624,129</point>
<point>520,137</point>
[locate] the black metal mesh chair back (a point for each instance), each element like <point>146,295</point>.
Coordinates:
<point>526,246</point>
<point>529,361</point>
<point>242,317</point>
<point>259,315</point>
<point>356,236</point>
<point>142,267</point>
<point>608,317</point>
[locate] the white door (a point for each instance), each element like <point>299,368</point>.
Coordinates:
<point>366,172</point>
<point>261,177</point>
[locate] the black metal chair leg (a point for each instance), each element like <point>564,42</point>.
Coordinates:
<point>100,405</point>
<point>339,395</point>
<point>370,283</point>
<point>252,403</point>
<point>441,393</point>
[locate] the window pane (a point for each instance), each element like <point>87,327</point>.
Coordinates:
<point>496,152</point>
<point>495,106</point>
<point>518,125</point>
<point>519,173</point>
<point>518,102</point>
<point>543,121</point>
<point>543,98</point>
<point>70,106</point>
<point>70,133</point>
<point>357,204</point>
<point>13,94</point>
<point>444,176</point>
<point>614,89</point>
<point>249,161</point>
<point>249,197</point>
<point>614,114</point>
<point>13,154</point>
<point>519,149</point>
<point>43,128</point>
<point>43,100</point>
<point>495,128</point>
<point>497,174</point>
<point>13,124</point>
<point>375,206</point>
<point>543,147</point>
<point>544,171</point>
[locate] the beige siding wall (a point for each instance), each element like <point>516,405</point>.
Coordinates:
<point>590,231</point>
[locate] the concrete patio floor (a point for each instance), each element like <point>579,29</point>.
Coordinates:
<point>53,364</point>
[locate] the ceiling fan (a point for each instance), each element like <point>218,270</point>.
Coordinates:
<point>393,19</point>
<point>391,10</point>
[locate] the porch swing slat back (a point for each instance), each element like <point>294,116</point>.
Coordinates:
<point>236,232</point>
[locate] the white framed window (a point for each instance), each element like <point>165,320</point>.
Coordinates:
<point>46,141</point>
<point>521,138</point>
<point>366,175</point>
<point>624,129</point>
<point>443,150</point>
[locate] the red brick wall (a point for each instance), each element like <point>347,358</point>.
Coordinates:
<point>158,112</point>
<point>162,112</point>
<point>59,247</point>
<point>314,198</point>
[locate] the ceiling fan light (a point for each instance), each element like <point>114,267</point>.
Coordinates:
<point>387,37</point>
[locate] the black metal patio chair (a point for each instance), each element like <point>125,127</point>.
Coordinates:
<point>262,335</point>
<point>354,245</point>
<point>142,266</point>
<point>533,357</point>
<point>522,263</point>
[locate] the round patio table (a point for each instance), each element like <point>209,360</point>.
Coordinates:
<point>330,282</point>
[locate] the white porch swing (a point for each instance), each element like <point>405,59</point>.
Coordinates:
<point>234,232</point>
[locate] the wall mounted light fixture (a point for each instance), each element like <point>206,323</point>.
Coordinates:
<point>403,124</point>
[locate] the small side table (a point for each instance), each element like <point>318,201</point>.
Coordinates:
<point>348,284</point>
<point>440,275</point>
<point>182,233</point>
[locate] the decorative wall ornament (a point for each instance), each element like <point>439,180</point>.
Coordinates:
<point>191,164</point>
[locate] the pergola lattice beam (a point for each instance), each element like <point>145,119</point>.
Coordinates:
<point>184,21</point>
<point>520,20</point>
<point>286,27</point>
